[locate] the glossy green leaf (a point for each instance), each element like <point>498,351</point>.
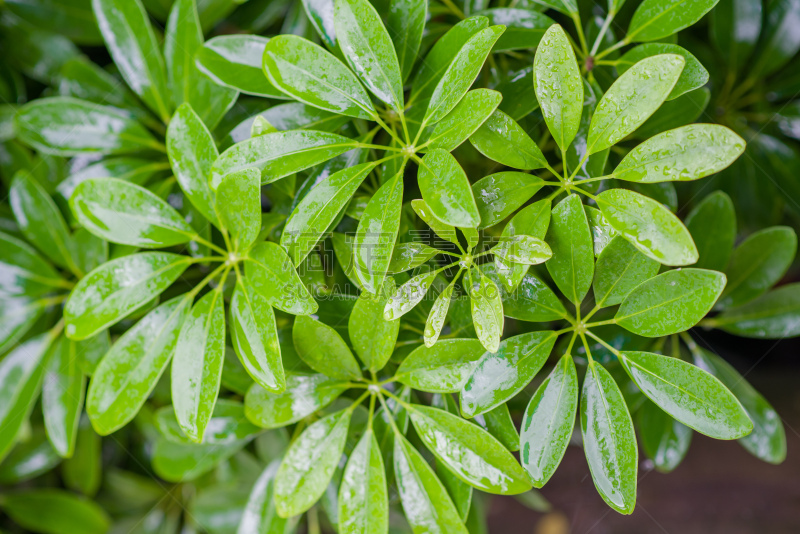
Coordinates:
<point>524,249</point>
<point>309,463</point>
<point>446,189</point>
<point>310,74</point>
<point>255,337</point>
<point>767,441</point>
<point>17,316</point>
<point>671,302</point>
<point>83,472</point>
<point>127,374</point>
<point>125,213</point>
<point>238,203</point>
<point>323,349</point>
<point>656,19</point>
<point>234,61</point>
<point>182,462</point>
<point>23,271</point>
<point>735,27</point>
<point>673,114</point>
<point>441,229</point>
<point>85,80</point>
<point>712,224</point>
<point>501,375</point>
<point>649,226</point>
<point>694,75</point>
<point>780,42</point>
<point>487,309</point>
<point>499,424</point>
<point>525,27</point>
<point>197,364</point>
<point>259,514</point>
<point>531,220</point>
<point>632,99</point>
<point>602,232</point>
<point>438,314</point>
<point>304,395</point>
<point>227,424</point>
<point>280,154</point>
<point>461,73</point>
<point>192,151</point>
<point>443,368</point>
<point>773,315</point>
<point>572,264</point>
<point>368,49</point>
<point>63,388</point>
<point>501,139</point>
<point>363,495</point>
<point>688,153</point>
<point>373,338</point>
<point>609,441</point>
<point>405,24</point>
<point>549,421</point>
<point>117,289</point>
<point>468,115</point>
<point>427,506</point>
<point>66,126</point>
<point>315,213</point>
<point>53,511</point>
<point>689,394</point>
<point>72,18</point>
<point>499,195</point>
<point>532,300</point>
<point>664,440</point>
<point>620,268</point>
<point>31,457</point>
<point>460,492</point>
<point>270,272</point>
<point>376,234</point>
<point>408,295</point>
<point>410,256</point>
<point>757,264</point>
<point>558,85</point>
<point>21,373</point>
<point>132,43</point>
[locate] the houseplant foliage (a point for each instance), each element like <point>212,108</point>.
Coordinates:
<point>308,276</point>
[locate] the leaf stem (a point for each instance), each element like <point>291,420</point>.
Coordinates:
<point>614,351</point>
<point>389,130</point>
<point>209,244</point>
<point>600,323</point>
<point>603,30</point>
<point>389,413</point>
<point>576,18</point>
<point>611,48</point>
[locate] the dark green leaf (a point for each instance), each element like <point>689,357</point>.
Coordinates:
<point>572,264</point>
<point>712,224</point>
<point>499,195</point>
<point>501,139</point>
<point>664,440</point>
<point>774,315</point>
<point>238,203</point>
<point>323,349</point>
<point>52,511</point>
<point>524,27</point>
<point>304,395</point>
<point>620,268</point>
<point>406,24</point>
<point>446,190</point>
<point>259,514</point>
<point>62,397</point>
<point>532,220</point>
<point>270,272</point>
<point>373,338</point>
<point>780,41</point>
<point>23,271</point>
<point>532,300</point>
<point>468,115</point>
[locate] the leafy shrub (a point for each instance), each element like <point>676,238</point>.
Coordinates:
<point>257,235</point>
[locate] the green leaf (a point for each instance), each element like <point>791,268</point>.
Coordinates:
<point>128,373</point>
<point>735,27</point>
<point>688,153</point>
<point>227,424</point>
<point>21,373</point>
<point>609,441</point>
<point>405,23</point>
<point>767,441</point>
<point>53,511</point>
<point>197,365</point>
<point>192,151</point>
<point>474,455</point>
<point>85,80</point>
<point>487,309</point>
<point>66,126</point>
<point>524,27</point>
<point>363,495</point>
<point>446,190</point>
<point>408,295</point>
<point>461,73</point>
<point>620,268</point>
<point>91,250</point>
<point>524,249</point>
<point>664,440</point>
<point>373,338</point>
<point>458,125</point>
<point>117,289</point>
<point>548,422</point>
<point>17,317</point>
<point>368,50</point>
<point>757,264</point>
<point>694,75</point>
<point>773,315</point>
<point>309,463</point>
<point>410,256</point>
<point>181,462</point>
<point>558,85</point>
<point>632,99</point>
<point>270,272</point>
<point>132,44</point>
<point>427,506</point>
<point>689,394</point>
<point>572,264</point>
<point>602,232</point>
<point>712,224</point>
<point>499,195</point>
<point>320,14</point>
<point>23,271</point>
<point>238,202</point>
<point>315,213</point>
<point>443,368</point>
<point>62,397</point>
<point>501,139</point>
<point>259,514</point>
<point>441,229</point>
<point>460,492</point>
<point>323,349</point>
<point>304,395</point>
<point>649,226</point>
<point>376,234</point>
<point>672,114</point>
<point>438,315</point>
<point>310,74</point>
<point>593,166</point>
<point>656,19</point>
<point>72,18</point>
<point>779,43</point>
<point>31,457</point>
<point>122,212</point>
<point>501,375</point>
<point>532,300</point>
<point>234,61</point>
<point>531,220</point>
<point>671,302</point>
